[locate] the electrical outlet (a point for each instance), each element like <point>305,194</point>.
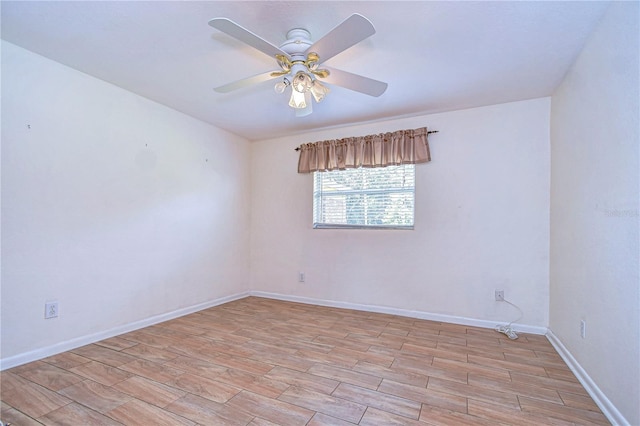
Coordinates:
<point>50,310</point>
<point>499,294</point>
<point>301,277</point>
<point>583,328</point>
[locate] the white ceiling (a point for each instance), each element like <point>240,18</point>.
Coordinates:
<point>435,55</point>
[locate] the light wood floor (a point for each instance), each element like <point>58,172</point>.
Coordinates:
<point>263,362</point>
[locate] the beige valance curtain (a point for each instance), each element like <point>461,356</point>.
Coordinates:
<point>384,149</point>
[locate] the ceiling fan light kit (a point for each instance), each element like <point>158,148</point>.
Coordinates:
<point>299,58</point>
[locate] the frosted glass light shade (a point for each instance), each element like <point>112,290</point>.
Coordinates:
<point>318,90</point>
<point>302,82</point>
<point>297,100</point>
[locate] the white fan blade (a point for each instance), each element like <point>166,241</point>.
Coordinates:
<point>355,82</point>
<point>244,82</point>
<point>352,30</point>
<point>236,31</point>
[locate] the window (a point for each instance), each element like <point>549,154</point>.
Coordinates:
<point>364,198</point>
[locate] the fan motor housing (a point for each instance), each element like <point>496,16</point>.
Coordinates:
<point>298,41</point>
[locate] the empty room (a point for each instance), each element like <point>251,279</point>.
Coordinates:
<point>320,213</point>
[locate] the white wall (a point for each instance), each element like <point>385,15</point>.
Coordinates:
<point>594,209</point>
<point>117,207</point>
<point>482,222</point>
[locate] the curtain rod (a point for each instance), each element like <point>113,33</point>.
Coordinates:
<point>428,133</point>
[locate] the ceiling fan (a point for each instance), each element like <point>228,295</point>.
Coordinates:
<point>299,59</point>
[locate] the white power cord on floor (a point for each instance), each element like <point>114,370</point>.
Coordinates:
<point>506,329</point>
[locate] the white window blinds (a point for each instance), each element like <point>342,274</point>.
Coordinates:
<point>364,198</point>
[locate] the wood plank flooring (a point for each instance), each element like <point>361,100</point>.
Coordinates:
<point>264,362</point>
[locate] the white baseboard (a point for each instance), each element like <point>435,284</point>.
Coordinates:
<point>400,312</point>
<point>77,342</point>
<point>601,400</point>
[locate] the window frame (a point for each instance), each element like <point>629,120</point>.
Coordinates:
<point>391,190</point>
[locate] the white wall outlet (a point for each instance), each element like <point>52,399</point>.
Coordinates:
<point>583,328</point>
<point>301,277</point>
<point>50,310</point>
<point>499,294</point>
